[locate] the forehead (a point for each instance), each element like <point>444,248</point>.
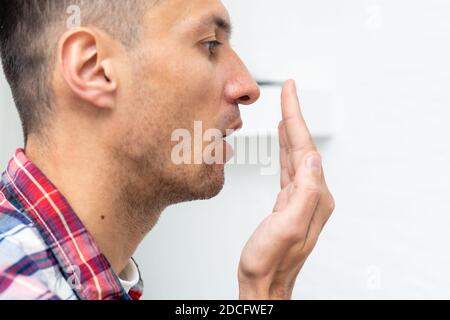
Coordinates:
<point>185,15</point>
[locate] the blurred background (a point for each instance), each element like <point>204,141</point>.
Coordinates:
<point>374,78</point>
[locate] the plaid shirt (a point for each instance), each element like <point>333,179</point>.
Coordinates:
<point>45,251</point>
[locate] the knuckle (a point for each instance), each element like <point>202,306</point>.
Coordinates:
<point>294,238</point>
<point>331,203</point>
<point>313,152</point>
<point>292,233</point>
<point>253,269</point>
<point>250,272</point>
<point>295,233</point>
<point>312,191</point>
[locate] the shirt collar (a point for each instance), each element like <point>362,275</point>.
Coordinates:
<point>85,268</point>
<point>129,277</point>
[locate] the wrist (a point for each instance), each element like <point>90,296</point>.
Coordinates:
<point>249,291</point>
<point>249,294</point>
<point>253,290</point>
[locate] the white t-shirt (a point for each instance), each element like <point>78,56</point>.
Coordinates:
<point>129,276</point>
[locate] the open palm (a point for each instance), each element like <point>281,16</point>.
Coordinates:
<point>276,252</point>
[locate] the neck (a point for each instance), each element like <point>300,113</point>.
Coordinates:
<point>100,197</point>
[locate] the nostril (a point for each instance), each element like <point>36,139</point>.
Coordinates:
<point>245,98</point>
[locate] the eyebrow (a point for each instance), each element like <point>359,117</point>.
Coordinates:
<point>223,24</point>
<point>219,22</point>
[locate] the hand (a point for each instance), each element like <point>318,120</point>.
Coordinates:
<point>276,252</point>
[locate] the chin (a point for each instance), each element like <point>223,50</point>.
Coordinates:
<point>202,183</point>
<point>208,183</point>
<point>211,184</point>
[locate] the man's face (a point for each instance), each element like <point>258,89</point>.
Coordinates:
<point>174,77</point>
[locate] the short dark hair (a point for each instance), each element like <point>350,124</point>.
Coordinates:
<point>29,32</point>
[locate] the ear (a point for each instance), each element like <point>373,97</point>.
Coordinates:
<point>87,70</point>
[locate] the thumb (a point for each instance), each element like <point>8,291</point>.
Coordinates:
<point>307,189</point>
<point>310,172</point>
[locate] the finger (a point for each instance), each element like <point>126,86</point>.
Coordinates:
<point>321,216</point>
<point>285,175</point>
<point>282,200</point>
<point>298,136</point>
<point>306,193</point>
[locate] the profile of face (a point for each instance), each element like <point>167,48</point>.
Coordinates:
<point>182,70</point>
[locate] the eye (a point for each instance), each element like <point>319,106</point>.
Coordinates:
<point>212,46</point>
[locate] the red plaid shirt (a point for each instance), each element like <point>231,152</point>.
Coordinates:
<point>45,251</point>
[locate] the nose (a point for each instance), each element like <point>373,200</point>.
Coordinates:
<point>241,89</point>
<point>250,92</point>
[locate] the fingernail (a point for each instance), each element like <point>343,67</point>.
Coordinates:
<point>314,163</point>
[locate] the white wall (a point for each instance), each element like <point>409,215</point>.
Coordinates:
<point>10,129</point>
<point>386,66</point>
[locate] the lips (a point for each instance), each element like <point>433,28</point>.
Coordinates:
<point>235,127</point>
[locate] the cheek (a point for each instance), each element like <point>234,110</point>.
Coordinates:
<point>191,93</point>
<point>174,91</point>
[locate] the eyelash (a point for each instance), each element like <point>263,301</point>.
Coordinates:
<point>215,44</point>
